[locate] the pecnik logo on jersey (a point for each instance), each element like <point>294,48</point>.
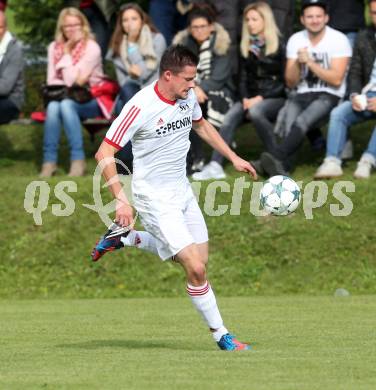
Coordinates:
<point>173,127</point>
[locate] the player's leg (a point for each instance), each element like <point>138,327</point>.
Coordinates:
<point>117,238</point>
<point>193,259</point>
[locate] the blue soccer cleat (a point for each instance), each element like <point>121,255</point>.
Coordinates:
<point>228,342</point>
<point>110,241</point>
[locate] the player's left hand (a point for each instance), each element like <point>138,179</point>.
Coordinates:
<point>244,166</point>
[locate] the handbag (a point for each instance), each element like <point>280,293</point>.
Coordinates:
<point>78,93</point>
<point>52,93</point>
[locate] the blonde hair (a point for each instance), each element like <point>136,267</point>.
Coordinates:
<point>71,11</point>
<point>271,31</point>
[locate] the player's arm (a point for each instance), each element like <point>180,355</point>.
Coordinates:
<point>105,159</point>
<point>334,75</point>
<point>211,136</point>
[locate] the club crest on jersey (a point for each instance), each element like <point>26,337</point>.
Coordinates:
<point>183,107</point>
<point>173,127</point>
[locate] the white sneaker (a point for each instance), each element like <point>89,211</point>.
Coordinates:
<point>363,170</point>
<point>213,170</point>
<point>330,168</point>
<point>348,151</point>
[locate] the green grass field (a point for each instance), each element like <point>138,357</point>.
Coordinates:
<point>249,255</point>
<point>302,343</point>
<point>274,279</point>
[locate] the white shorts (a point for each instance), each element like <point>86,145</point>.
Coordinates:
<point>173,218</point>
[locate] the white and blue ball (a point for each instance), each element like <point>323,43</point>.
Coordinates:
<point>280,195</point>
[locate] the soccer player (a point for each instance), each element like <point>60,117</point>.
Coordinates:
<point>158,120</point>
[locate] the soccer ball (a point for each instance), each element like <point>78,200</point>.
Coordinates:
<point>280,195</point>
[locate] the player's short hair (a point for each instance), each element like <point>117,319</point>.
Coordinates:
<point>175,58</point>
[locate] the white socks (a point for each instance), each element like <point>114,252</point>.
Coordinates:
<point>141,239</point>
<point>203,299</point>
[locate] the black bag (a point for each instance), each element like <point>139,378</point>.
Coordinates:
<point>78,93</point>
<point>52,93</point>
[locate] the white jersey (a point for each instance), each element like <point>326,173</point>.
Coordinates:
<point>159,130</point>
<point>334,44</point>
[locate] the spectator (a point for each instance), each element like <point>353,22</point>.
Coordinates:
<point>347,16</point>
<point>136,49</point>
<point>211,42</point>
<point>283,10</point>
<point>11,74</point>
<point>317,59</point>
<point>261,83</point>
<point>101,15</point>
<point>227,14</point>
<point>362,84</point>
<point>73,58</point>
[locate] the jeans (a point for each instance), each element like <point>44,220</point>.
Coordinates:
<point>68,114</point>
<point>262,114</point>
<point>305,111</point>
<point>341,118</point>
<point>8,110</point>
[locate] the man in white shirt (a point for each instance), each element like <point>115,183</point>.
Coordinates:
<point>158,120</point>
<point>360,107</point>
<point>317,60</point>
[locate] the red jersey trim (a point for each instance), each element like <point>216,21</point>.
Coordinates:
<point>172,102</point>
<point>131,116</point>
<point>197,120</point>
<point>125,124</point>
<point>118,147</point>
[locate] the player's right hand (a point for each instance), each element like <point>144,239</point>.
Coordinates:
<point>244,166</point>
<point>124,214</point>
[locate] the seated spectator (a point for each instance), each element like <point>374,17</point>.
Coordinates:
<point>211,43</point>
<point>11,74</point>
<point>228,15</point>
<point>74,58</point>
<point>283,11</point>
<point>261,84</point>
<point>135,49</point>
<point>317,59</point>
<point>361,107</point>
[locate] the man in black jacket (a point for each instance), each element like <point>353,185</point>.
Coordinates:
<point>347,16</point>
<point>360,107</point>
<point>11,74</point>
